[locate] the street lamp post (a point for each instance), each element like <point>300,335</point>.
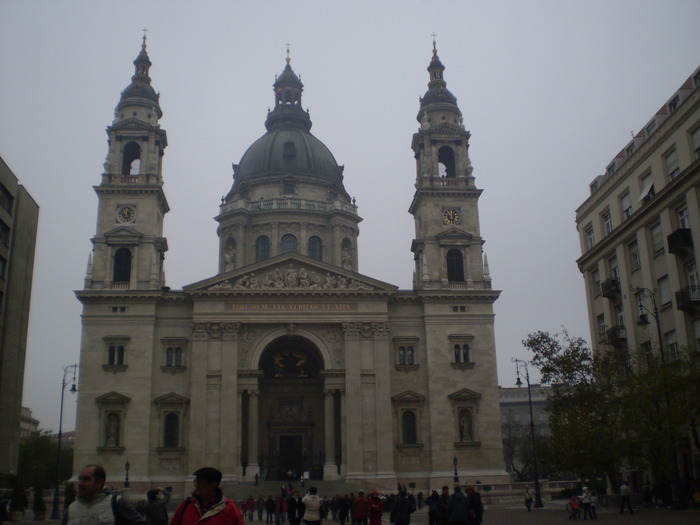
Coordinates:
<point>66,370</point>
<point>675,473</point>
<point>455,462</point>
<point>126,478</point>
<point>519,363</point>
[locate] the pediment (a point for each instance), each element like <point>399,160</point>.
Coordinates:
<point>291,273</point>
<point>171,398</point>
<point>408,396</point>
<point>453,234</point>
<point>112,398</point>
<point>131,124</point>
<point>464,395</point>
<point>123,232</point>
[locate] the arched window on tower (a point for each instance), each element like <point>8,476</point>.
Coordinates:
<point>408,428</point>
<point>288,243</point>
<point>262,248</point>
<point>455,266</point>
<point>131,159</point>
<point>122,266</point>
<point>446,162</point>
<point>315,249</point>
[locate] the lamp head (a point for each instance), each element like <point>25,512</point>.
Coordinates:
<point>643,320</point>
<point>518,383</point>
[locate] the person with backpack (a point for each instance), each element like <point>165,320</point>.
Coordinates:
<point>95,505</point>
<point>207,502</point>
<point>156,512</point>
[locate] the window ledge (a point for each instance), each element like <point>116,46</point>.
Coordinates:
<point>171,451</point>
<point>467,444</point>
<point>173,369</point>
<point>416,447</point>
<point>463,366</point>
<point>406,368</point>
<point>108,450</point>
<point>114,368</point>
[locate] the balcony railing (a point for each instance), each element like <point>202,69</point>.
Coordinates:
<point>688,298</point>
<point>616,335</point>
<point>610,288</point>
<point>289,204</point>
<point>680,241</point>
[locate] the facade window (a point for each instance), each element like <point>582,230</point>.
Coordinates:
<point>671,164</point>
<point>664,290</point>
<point>651,127</point>
<point>683,219</point>
<point>595,279</point>
<point>647,353</point>
<point>590,237</point>
<point>635,261</point>
<point>6,199</point>
<point>671,345</point>
<point>461,352</point>
<point>674,103</point>
<point>600,322</point>
<point>611,169</point>
<point>626,205</point>
<point>446,162</point>
<point>404,348</point>
<point>607,223</point>
<point>613,268</point>
<point>115,355</point>
<point>3,267</point>
<point>695,143</point>
<point>173,356</point>
<point>657,238</point>
<point>619,314</point>
<point>171,430</point>
<point>409,434</point>
<point>315,249</point>
<point>121,273</point>
<point>629,151</point>
<point>262,248</point>
<point>691,274</point>
<point>288,243</point>
<point>455,266</point>
<point>131,160</point>
<point>4,234</point>
<point>647,188</point>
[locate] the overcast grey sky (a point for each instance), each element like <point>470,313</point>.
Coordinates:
<point>550,91</point>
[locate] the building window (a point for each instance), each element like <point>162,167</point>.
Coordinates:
<point>629,151</point>
<point>446,162</point>
<point>595,279</point>
<point>607,223</point>
<point>647,188</point>
<point>613,268</point>
<point>664,290</point>
<point>455,266</point>
<point>121,273</point>
<point>3,267</point>
<point>657,239</point>
<point>671,345</point>
<point>406,355</point>
<point>695,143</point>
<point>633,250</point>
<point>115,355</point>
<point>288,243</point>
<point>409,435</point>
<point>171,430</point>
<point>626,205</point>
<point>590,237</point>
<point>173,356</point>
<point>262,248</point>
<point>461,353</point>
<point>651,127</point>
<point>4,234</point>
<point>6,199</point>
<point>647,353</point>
<point>600,322</point>
<point>674,103</point>
<point>315,250</point>
<point>671,165</point>
<point>683,219</point>
<point>619,314</point>
<point>131,160</point>
<point>466,425</point>
<point>611,169</point>
<point>691,274</point>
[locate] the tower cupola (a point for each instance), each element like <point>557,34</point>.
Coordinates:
<point>288,113</point>
<point>437,93</point>
<point>139,92</point>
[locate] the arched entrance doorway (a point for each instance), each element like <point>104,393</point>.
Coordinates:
<point>291,408</point>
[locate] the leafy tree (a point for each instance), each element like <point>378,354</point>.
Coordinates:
<point>37,460</point>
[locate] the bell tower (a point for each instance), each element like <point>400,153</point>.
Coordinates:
<point>128,246</point>
<point>447,243</point>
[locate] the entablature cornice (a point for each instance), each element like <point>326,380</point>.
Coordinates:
<point>142,296</point>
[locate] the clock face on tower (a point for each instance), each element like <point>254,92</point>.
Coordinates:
<point>126,214</point>
<point>451,216</point>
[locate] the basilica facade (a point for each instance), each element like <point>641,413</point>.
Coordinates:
<point>288,360</point>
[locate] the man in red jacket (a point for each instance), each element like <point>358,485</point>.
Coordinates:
<point>207,503</point>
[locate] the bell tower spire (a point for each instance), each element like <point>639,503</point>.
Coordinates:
<point>447,244</point>
<point>128,246</point>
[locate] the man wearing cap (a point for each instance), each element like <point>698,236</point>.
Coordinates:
<point>207,502</point>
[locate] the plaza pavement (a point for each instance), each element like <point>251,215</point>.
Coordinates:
<point>509,514</point>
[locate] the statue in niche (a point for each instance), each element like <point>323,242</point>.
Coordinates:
<point>230,258</point>
<point>346,258</point>
<point>112,430</point>
<point>465,425</point>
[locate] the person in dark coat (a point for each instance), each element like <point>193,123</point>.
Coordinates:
<point>442,506</point>
<point>476,506</point>
<point>458,511</point>
<point>402,510</point>
<point>295,508</point>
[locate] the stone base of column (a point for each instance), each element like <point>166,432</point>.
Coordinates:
<point>330,471</point>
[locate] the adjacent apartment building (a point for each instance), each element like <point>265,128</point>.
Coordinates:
<point>640,229</point>
<point>19,216</point>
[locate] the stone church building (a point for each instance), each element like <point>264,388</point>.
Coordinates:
<point>288,360</point>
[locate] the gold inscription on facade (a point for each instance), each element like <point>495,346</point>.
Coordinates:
<point>283,307</point>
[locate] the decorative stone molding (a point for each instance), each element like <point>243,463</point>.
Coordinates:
<point>294,277</point>
<point>114,368</point>
<point>407,368</point>
<point>463,366</point>
<point>202,331</point>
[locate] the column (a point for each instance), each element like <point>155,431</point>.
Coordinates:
<point>198,396</point>
<point>330,471</point>
<point>229,436</point>
<point>385,441</point>
<point>353,394</point>
<point>253,438</point>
